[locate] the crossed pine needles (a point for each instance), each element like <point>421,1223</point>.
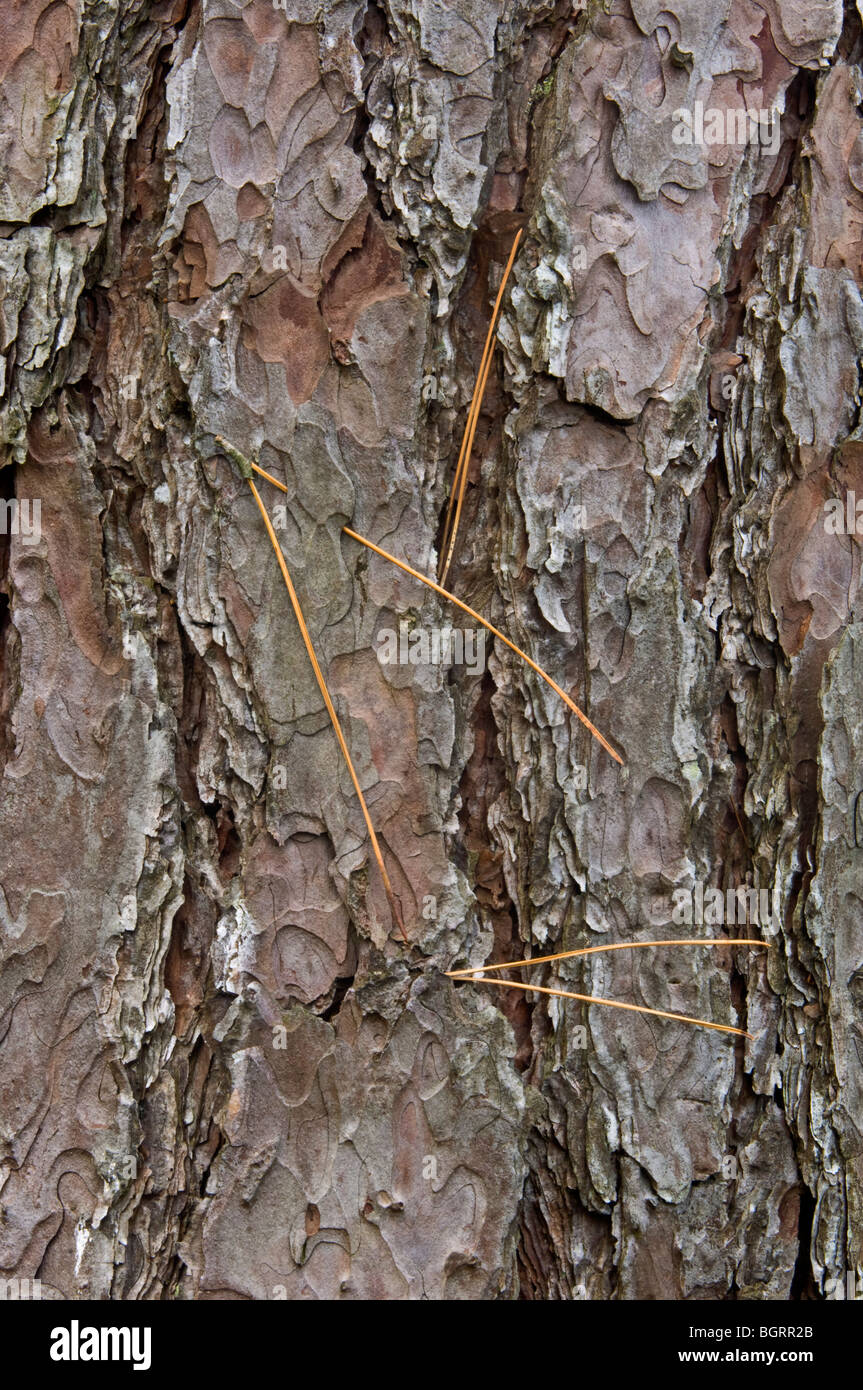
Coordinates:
<point>247,468</point>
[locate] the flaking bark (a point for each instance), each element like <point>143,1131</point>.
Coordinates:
<point>223,1074</point>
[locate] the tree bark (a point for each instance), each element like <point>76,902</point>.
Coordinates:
<point>224,1074</point>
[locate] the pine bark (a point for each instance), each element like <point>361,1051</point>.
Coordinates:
<point>224,1074</point>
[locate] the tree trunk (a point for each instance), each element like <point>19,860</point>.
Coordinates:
<point>284,223</point>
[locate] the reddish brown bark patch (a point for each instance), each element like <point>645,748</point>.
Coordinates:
<point>366,275</point>
<point>284,325</point>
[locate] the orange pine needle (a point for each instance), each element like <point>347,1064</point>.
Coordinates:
<point>298,613</point>
<point>461,472</point>
<point>269,477</point>
<point>594,950</point>
<point>472,613</point>
<point>616,1004</point>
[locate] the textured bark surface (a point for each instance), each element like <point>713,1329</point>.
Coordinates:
<point>222,1073</point>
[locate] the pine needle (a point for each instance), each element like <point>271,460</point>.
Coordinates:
<point>430,583</point>
<point>616,1004</point>
<point>461,472</point>
<point>477,617</point>
<point>298,613</point>
<point>269,477</point>
<point>594,950</point>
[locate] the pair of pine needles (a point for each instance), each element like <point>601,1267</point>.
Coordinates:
<point>456,497</point>
<point>451,526</point>
<point>481,977</point>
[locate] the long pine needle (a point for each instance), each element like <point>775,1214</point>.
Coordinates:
<point>595,950</point>
<point>456,499</point>
<point>337,728</point>
<point>479,976</point>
